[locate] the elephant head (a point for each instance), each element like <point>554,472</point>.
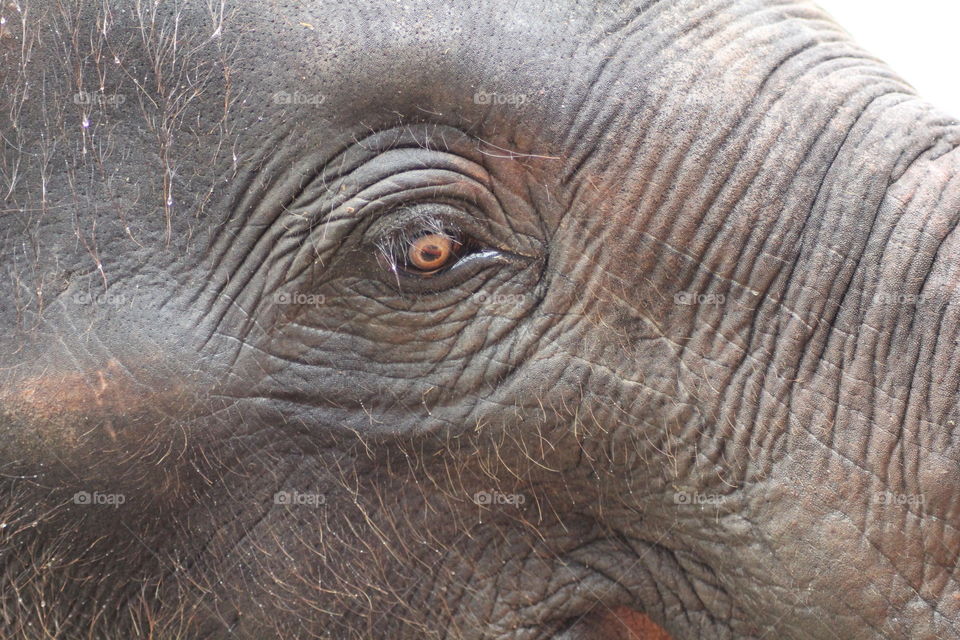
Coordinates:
<point>530,320</point>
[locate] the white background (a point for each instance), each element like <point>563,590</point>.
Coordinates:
<point>920,39</point>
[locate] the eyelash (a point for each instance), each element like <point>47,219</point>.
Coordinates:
<point>394,247</point>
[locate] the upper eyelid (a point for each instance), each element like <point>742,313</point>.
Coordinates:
<point>395,243</point>
<point>398,232</point>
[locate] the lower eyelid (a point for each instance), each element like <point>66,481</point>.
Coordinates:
<point>461,262</point>
<point>480,255</point>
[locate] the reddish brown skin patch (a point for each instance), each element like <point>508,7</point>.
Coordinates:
<point>51,395</point>
<point>619,623</point>
<point>62,408</point>
<point>638,626</point>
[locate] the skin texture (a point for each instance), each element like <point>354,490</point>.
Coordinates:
<point>223,413</point>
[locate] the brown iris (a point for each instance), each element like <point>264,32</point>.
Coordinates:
<point>432,251</point>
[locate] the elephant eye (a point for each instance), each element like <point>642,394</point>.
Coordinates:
<point>426,251</point>
<point>432,251</point>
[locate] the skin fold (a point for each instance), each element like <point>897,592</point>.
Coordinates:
<point>692,368</point>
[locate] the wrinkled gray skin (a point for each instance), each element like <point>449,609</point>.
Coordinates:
<point>198,323</point>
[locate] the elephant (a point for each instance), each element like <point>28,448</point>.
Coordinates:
<point>569,319</point>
